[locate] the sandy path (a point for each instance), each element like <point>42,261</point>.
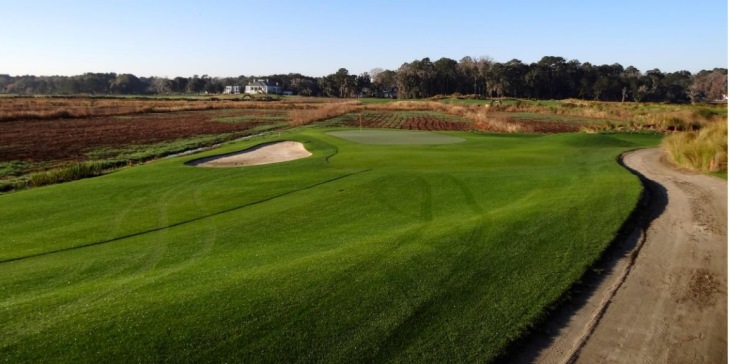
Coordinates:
<point>261,154</point>
<point>663,296</point>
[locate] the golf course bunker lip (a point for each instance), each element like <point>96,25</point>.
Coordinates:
<point>392,137</point>
<point>266,153</point>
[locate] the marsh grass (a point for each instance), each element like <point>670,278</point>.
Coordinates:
<point>68,173</point>
<point>300,117</point>
<point>704,150</point>
<point>18,175</point>
<point>42,108</point>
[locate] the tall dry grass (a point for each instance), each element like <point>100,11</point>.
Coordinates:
<point>304,116</point>
<point>622,116</point>
<point>75,107</point>
<point>704,150</point>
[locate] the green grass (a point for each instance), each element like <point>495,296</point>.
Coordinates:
<point>360,253</point>
<point>722,175</point>
<point>395,137</point>
<point>13,168</point>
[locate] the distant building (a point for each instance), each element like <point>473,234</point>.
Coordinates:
<point>232,90</point>
<point>262,87</point>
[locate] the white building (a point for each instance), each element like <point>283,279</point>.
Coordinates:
<point>262,87</point>
<point>232,90</point>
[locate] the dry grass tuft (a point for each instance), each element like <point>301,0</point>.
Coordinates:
<point>704,150</point>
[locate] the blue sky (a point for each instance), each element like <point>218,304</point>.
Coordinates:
<point>231,38</point>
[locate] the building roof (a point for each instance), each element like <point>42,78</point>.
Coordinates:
<point>261,83</point>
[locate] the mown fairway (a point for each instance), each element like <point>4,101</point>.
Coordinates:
<point>427,253</point>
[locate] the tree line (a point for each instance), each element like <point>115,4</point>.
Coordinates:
<point>549,78</point>
<point>556,78</point>
<point>129,84</point>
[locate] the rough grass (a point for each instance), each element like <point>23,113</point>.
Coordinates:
<point>607,116</point>
<point>359,253</point>
<point>704,150</point>
<point>300,117</point>
<point>44,108</point>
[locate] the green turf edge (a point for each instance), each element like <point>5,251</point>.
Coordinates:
<point>592,272</point>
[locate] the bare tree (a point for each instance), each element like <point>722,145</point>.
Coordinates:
<point>161,85</point>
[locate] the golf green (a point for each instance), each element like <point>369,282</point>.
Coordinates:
<point>395,137</point>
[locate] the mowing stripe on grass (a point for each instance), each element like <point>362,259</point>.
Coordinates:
<point>185,221</point>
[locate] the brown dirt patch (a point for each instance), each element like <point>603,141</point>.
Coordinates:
<point>395,120</point>
<point>702,288</point>
<point>70,139</point>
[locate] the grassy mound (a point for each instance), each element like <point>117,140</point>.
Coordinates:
<point>359,253</point>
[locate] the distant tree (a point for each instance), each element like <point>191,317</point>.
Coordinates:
<point>213,85</point>
<point>161,85</point>
<point>496,82</point>
<point>653,80</point>
<point>195,85</point>
<point>70,85</point>
<point>375,72</point>
<point>179,85</point>
<point>472,74</point>
<point>446,76</point>
<point>345,82</point>
<point>127,84</point>
<point>363,82</point>
<point>708,85</point>
<point>95,83</point>
<point>631,82</point>
<point>408,81</point>
<point>676,86</point>
<point>383,81</point>
<point>303,85</point>
<point>5,80</point>
<point>607,86</point>
<point>513,77</point>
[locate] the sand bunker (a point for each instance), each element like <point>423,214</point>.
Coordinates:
<point>261,154</point>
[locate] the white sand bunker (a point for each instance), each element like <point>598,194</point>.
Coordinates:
<point>261,154</point>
